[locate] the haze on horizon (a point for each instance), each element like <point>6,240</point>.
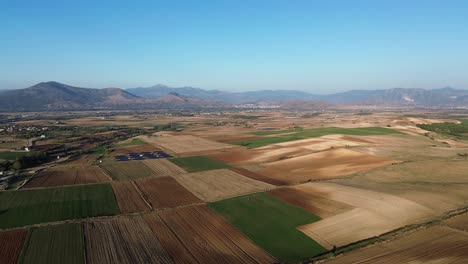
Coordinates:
<point>315,46</point>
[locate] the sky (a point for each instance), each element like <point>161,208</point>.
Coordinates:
<point>312,45</point>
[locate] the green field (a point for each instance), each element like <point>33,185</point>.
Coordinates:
<point>310,133</point>
<point>12,155</point>
<point>271,224</point>
<point>198,163</point>
<point>27,207</point>
<point>54,244</point>
<point>459,131</point>
<point>133,142</point>
<point>275,132</point>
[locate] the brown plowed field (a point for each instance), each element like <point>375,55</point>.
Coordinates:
<point>458,222</point>
<point>163,167</point>
<point>122,240</point>
<point>184,145</point>
<point>322,165</point>
<point>165,192</point>
<point>219,184</point>
<point>309,201</point>
<point>258,177</point>
<point>11,243</point>
<point>128,198</point>
<point>127,170</point>
<point>434,245</point>
<point>196,234</point>
<point>67,175</point>
<point>255,156</point>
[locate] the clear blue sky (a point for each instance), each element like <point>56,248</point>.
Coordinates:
<point>318,46</point>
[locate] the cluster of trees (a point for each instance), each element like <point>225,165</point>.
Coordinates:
<point>23,162</point>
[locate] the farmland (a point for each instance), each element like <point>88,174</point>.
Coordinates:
<point>27,207</point>
<point>128,170</point>
<point>366,131</point>
<point>55,244</point>
<point>128,197</point>
<point>165,192</point>
<point>67,175</point>
<point>218,184</point>
<point>271,224</point>
<point>198,163</point>
<point>163,167</point>
<point>334,186</point>
<point>322,165</point>
<point>197,235</point>
<point>186,145</point>
<point>12,243</point>
<point>124,240</point>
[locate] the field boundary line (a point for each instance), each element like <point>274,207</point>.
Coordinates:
<point>141,195</point>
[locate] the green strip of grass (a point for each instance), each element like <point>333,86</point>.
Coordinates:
<point>310,133</point>
<point>198,163</point>
<point>27,207</point>
<point>275,132</point>
<point>13,155</point>
<point>271,223</point>
<point>134,142</point>
<point>54,244</point>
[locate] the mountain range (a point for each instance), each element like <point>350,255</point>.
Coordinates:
<point>54,96</point>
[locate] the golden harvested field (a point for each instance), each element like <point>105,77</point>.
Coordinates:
<point>163,167</point>
<point>165,192</point>
<point>308,199</point>
<point>419,181</point>
<point>196,234</point>
<point>128,197</point>
<point>322,165</point>
<point>257,176</point>
<point>67,175</point>
<point>433,245</point>
<point>219,184</point>
<point>11,244</point>
<point>127,170</point>
<point>373,214</point>
<point>122,240</point>
<point>186,145</point>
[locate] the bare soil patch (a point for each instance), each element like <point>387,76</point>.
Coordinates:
<point>165,192</point>
<point>122,240</point>
<point>128,198</point>
<point>323,165</point>
<point>196,234</point>
<point>11,244</point>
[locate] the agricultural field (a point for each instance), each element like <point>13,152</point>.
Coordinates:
<point>311,133</point>
<point>220,184</point>
<point>198,163</point>
<point>67,175</point>
<point>165,192</point>
<point>344,186</point>
<point>372,214</point>
<point>35,206</point>
<point>128,170</point>
<point>128,197</point>
<point>13,155</point>
<point>122,240</point>
<point>271,224</point>
<point>433,245</point>
<point>196,234</point>
<point>186,145</point>
<point>55,244</point>
<point>322,165</point>
<point>163,167</point>
<point>11,244</point>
